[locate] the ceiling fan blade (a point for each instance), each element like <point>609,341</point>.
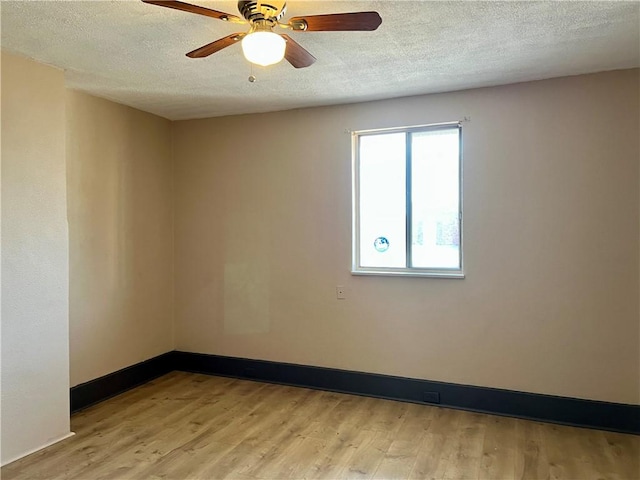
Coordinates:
<point>297,55</point>
<point>337,22</point>
<point>187,7</point>
<point>216,46</point>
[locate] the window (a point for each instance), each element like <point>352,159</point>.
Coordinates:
<point>407,213</point>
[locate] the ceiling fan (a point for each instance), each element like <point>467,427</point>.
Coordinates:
<point>261,45</point>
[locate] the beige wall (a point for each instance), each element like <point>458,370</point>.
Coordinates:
<point>262,225</point>
<point>120,191</point>
<point>35,274</point>
<point>550,303</point>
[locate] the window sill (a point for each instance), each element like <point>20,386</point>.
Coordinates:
<point>409,273</point>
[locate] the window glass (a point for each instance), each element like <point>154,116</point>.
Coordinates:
<point>435,198</point>
<point>383,230</point>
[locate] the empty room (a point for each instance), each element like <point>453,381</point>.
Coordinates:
<point>320,239</point>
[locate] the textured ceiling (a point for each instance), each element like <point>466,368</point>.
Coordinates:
<point>134,53</point>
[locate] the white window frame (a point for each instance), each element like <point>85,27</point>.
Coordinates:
<point>356,268</point>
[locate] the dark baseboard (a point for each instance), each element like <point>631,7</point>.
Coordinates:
<point>563,410</point>
<point>94,391</point>
<point>546,408</point>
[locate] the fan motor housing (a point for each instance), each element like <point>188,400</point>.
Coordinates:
<point>256,10</point>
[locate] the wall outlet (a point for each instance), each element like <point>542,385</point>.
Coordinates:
<point>341,292</point>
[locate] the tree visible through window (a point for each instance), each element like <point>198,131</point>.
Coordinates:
<point>407,208</point>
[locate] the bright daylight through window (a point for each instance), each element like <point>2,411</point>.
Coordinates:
<point>407,201</point>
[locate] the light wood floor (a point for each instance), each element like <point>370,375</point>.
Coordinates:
<point>188,426</point>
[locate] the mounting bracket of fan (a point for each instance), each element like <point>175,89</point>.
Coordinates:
<point>256,10</point>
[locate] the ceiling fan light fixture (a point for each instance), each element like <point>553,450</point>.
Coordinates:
<point>263,48</point>
<point>260,44</point>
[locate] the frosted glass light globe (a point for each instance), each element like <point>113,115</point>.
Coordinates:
<point>263,48</point>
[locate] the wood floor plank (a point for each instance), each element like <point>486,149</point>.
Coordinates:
<point>190,426</point>
<point>399,460</point>
<point>365,460</point>
<point>294,462</point>
<point>331,460</point>
<point>498,448</point>
<point>624,453</point>
<point>434,456</point>
<point>467,458</point>
<point>531,457</point>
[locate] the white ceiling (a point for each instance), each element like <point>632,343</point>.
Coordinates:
<point>134,53</point>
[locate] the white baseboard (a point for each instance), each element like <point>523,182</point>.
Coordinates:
<point>34,450</point>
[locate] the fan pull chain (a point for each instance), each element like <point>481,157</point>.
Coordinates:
<point>252,77</point>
